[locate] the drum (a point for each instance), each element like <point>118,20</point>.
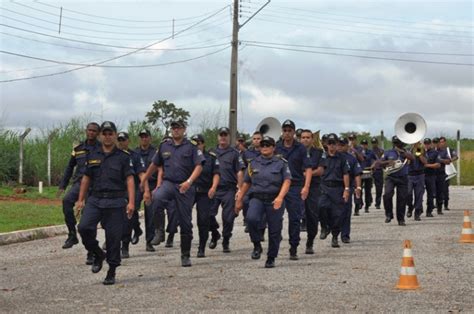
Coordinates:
<point>366,174</point>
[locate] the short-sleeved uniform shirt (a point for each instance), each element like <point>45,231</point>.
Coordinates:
<point>267,174</point>
<point>298,160</point>
<point>178,161</point>
<point>335,167</point>
<point>147,156</point>
<point>315,156</point>
<point>78,161</point>
<point>432,157</point>
<point>230,163</point>
<point>138,166</point>
<point>209,169</point>
<point>354,168</point>
<point>393,154</point>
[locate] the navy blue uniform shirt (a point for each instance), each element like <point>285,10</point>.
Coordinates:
<point>249,155</point>
<point>138,166</point>
<point>335,167</point>
<point>267,174</point>
<point>78,160</point>
<point>393,154</point>
<point>432,157</point>
<point>209,169</point>
<point>416,167</point>
<point>230,163</point>
<point>369,158</point>
<point>178,161</point>
<point>108,173</point>
<point>315,156</point>
<point>378,153</point>
<point>355,168</point>
<point>298,160</point>
<point>147,156</point>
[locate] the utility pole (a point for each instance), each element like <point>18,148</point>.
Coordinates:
<point>234,67</point>
<point>20,167</point>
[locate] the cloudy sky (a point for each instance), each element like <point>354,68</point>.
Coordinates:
<point>331,65</point>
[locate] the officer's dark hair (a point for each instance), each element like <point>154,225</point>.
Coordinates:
<point>257,133</point>
<point>307,131</point>
<point>442,138</point>
<point>94,124</point>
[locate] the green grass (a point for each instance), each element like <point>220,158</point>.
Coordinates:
<point>21,215</point>
<point>31,193</point>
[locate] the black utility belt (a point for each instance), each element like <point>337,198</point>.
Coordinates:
<point>112,194</point>
<point>333,184</point>
<point>227,187</point>
<point>264,197</point>
<point>200,189</point>
<point>416,173</point>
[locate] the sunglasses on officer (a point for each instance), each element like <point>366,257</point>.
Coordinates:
<point>266,144</point>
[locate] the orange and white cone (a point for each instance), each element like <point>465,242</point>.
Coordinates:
<point>408,280</point>
<point>467,235</point>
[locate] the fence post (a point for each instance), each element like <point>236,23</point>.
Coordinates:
<point>20,170</point>
<point>50,139</point>
<point>382,140</point>
<point>458,162</point>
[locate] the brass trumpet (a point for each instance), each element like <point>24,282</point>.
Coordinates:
<point>418,149</point>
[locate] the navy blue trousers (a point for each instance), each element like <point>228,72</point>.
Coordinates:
<point>416,190</point>
<point>69,200</point>
<point>430,184</point>
<point>312,212</point>
<point>294,206</point>
<point>346,217</point>
<point>331,200</point>
<point>111,220</point>
<point>440,190</point>
<point>203,206</point>
<point>257,210</point>
<point>401,184</point>
<point>378,182</point>
<point>226,199</point>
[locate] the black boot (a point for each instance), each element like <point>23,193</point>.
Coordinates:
<point>169,241</point>
<point>215,237</point>
<point>125,253</point>
<point>324,233</point>
<point>293,253</point>
<point>334,242</point>
<point>262,235</point>
<point>202,248</point>
<point>99,257</point>
<point>149,247</point>
<point>309,247</point>
<point>90,258</point>
<point>110,278</point>
<point>185,250</point>
<point>136,236</point>
<point>225,245</point>
<point>270,263</point>
<point>71,239</point>
<point>257,250</point>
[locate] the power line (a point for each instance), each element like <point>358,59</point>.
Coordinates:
<point>109,66</point>
<point>371,18</point>
<point>360,56</point>
<point>362,50</point>
<point>364,33</point>
<point>116,57</point>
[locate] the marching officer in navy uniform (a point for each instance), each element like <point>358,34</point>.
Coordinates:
<point>139,171</point>
<point>449,155</point>
<point>181,162</point>
<point>441,175</point>
<point>147,150</point>
<point>311,203</point>
<point>397,179</point>
<point>335,190</point>
<point>432,163</point>
<point>301,172</point>
<point>206,186</point>
<point>355,181</point>
<point>377,173</point>
<point>268,178</point>
<point>231,168</point>
<point>366,164</point>
<point>109,175</point>
<point>416,182</point>
<point>247,156</point>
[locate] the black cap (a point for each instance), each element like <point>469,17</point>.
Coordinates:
<point>332,138</point>
<point>363,142</point>
<point>240,136</point>
<point>324,137</point>
<point>122,135</point>
<point>268,140</point>
<point>224,129</point>
<point>288,123</point>
<point>179,123</point>
<point>395,139</point>
<point>144,132</point>
<point>352,136</point>
<point>374,140</point>
<point>343,140</point>
<point>427,140</point>
<point>435,140</point>
<point>108,125</point>
<point>298,132</point>
<point>198,138</point>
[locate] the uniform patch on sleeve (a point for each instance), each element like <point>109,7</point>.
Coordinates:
<point>94,161</point>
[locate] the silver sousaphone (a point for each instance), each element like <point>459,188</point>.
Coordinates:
<point>270,127</point>
<point>410,128</point>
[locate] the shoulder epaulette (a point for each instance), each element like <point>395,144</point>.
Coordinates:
<point>212,153</point>
<point>125,151</point>
<point>193,142</point>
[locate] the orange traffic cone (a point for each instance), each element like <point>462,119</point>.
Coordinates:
<point>408,280</point>
<point>467,236</point>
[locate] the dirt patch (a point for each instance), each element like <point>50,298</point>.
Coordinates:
<point>19,199</point>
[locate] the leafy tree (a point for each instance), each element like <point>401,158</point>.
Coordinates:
<point>164,113</point>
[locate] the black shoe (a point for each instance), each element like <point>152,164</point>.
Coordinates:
<point>169,241</point>
<point>409,214</point>
<point>110,278</point>
<point>417,218</point>
<point>185,260</point>
<point>402,223</point>
<point>366,210</point>
<point>156,239</point>
<point>200,253</point>
<point>99,257</point>
<point>149,247</point>
<point>356,212</point>
<point>257,251</point>
<point>388,219</point>
<point>440,212</point>
<point>136,236</point>
<point>246,230</point>
<point>334,242</point>
<point>125,253</point>
<point>446,208</point>
<point>225,246</point>
<point>345,240</point>
<point>377,206</point>
<point>324,234</point>
<point>214,239</point>
<point>90,258</point>
<point>70,242</point>
<point>293,253</point>
<point>309,250</point>
<point>429,215</point>
<point>270,263</point>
